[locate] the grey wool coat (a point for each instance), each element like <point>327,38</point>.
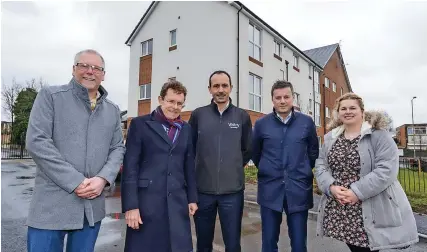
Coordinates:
<point>387,214</point>
<point>69,142</point>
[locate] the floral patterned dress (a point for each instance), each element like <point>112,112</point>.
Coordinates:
<point>345,222</point>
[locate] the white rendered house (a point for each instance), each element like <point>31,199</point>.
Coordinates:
<point>190,40</point>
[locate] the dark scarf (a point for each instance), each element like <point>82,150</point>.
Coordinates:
<point>173,126</point>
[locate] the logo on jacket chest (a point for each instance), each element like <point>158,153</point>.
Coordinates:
<point>233,125</point>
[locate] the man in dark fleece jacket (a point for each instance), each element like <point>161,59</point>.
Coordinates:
<point>285,148</point>
<point>222,140</point>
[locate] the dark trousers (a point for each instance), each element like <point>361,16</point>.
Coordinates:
<point>359,249</point>
<point>230,210</point>
<point>297,229</point>
<point>81,240</point>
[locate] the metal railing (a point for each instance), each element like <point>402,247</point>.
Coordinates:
<point>12,148</point>
<point>413,174</point>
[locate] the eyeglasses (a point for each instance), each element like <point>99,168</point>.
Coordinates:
<point>85,67</point>
<point>175,103</point>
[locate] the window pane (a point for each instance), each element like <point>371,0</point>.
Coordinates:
<point>257,52</point>
<point>173,38</point>
<point>150,46</point>
<point>317,108</point>
<point>257,103</point>
<point>251,102</point>
<point>148,91</point>
<point>141,92</point>
<point>251,33</point>
<point>251,49</point>
<point>144,48</point>
<point>257,36</point>
<point>251,83</point>
<point>257,86</point>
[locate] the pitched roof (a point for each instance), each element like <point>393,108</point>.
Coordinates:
<point>139,25</point>
<point>322,54</point>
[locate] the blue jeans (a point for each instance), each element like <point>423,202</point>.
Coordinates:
<point>297,229</point>
<point>81,240</point>
<point>230,209</point>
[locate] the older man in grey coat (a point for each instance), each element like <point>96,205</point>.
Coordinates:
<point>74,136</point>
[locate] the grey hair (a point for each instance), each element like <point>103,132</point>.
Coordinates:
<point>77,57</point>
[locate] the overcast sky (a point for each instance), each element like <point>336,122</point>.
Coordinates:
<point>383,45</point>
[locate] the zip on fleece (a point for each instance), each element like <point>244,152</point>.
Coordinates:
<point>219,153</point>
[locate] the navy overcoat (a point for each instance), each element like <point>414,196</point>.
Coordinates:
<point>158,178</point>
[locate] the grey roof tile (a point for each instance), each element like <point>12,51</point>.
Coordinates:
<point>321,55</point>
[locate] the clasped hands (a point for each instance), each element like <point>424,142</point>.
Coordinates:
<point>343,195</point>
<point>90,188</point>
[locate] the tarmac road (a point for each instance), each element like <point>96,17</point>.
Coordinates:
<point>17,180</point>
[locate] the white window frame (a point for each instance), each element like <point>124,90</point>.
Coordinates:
<point>326,82</point>
<point>296,61</point>
<point>420,130</point>
<point>410,129</point>
<point>310,106</point>
<point>252,42</point>
<point>146,45</point>
<point>144,96</point>
<point>328,114</point>
<point>278,48</point>
<point>170,38</point>
<point>282,72</point>
<point>253,95</point>
<point>316,82</point>
<point>334,87</point>
<point>317,113</point>
<point>297,100</point>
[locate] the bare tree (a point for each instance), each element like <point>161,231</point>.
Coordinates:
<point>36,85</point>
<point>9,94</point>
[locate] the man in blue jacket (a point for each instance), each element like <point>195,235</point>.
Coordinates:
<point>284,147</point>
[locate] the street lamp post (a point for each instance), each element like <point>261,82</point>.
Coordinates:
<point>413,125</point>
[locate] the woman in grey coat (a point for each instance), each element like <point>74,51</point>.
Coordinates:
<point>363,203</point>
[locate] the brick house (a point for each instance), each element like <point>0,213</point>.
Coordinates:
<point>334,81</point>
<point>412,136</point>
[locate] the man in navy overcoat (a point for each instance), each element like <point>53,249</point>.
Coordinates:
<point>158,182</point>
